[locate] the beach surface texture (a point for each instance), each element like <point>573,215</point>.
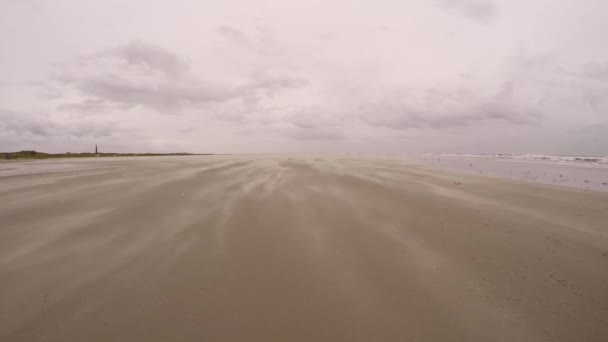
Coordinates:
<point>295,248</point>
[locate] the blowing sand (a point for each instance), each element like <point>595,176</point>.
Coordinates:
<point>262,248</point>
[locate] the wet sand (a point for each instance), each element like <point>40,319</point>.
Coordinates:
<point>306,248</point>
<point>583,175</point>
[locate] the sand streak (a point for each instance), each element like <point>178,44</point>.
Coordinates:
<point>308,248</point>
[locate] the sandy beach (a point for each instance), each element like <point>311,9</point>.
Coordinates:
<point>300,248</point>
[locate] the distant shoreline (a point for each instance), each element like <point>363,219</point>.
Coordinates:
<point>579,172</point>
<point>42,155</point>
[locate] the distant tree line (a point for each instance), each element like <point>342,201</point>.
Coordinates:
<point>41,155</point>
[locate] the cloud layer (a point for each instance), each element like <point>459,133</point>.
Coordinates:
<point>142,74</point>
<point>482,75</point>
<point>479,10</point>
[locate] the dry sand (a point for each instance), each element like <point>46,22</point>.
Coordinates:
<point>306,248</point>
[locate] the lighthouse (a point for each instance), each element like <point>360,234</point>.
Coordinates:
<point>96,150</point>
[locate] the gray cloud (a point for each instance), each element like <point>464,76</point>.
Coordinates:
<point>169,97</point>
<point>313,124</point>
<point>164,96</point>
<point>20,124</point>
<point>596,71</point>
<point>326,133</point>
<point>232,33</point>
<point>124,86</point>
<point>91,106</point>
<point>595,98</point>
<point>436,108</point>
<point>259,40</point>
<point>479,10</point>
<point>28,124</point>
<point>323,124</point>
<point>141,54</point>
<point>404,117</point>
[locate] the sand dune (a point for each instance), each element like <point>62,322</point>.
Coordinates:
<point>303,248</point>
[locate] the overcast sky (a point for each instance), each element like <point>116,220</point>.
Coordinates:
<point>253,76</point>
